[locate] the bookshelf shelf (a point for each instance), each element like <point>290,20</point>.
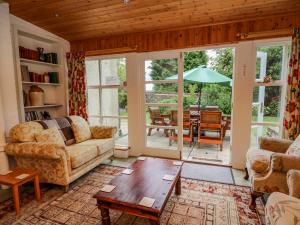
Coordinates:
<point>22,60</point>
<point>43,106</point>
<point>41,83</point>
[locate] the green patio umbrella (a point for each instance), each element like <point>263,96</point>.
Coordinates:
<point>202,75</point>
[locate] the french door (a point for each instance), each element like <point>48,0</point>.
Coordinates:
<point>162,101</point>
<point>268,98</point>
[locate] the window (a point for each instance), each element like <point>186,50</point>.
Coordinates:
<point>107,95</point>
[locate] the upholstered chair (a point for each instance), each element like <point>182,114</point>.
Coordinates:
<point>268,166</point>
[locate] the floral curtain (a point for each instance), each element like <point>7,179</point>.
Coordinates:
<point>77,84</point>
<point>292,109</point>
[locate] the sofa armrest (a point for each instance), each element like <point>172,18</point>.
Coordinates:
<point>100,132</point>
<point>36,150</point>
<point>284,162</point>
<point>274,144</point>
<point>293,181</point>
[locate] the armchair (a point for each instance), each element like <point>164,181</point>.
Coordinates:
<point>269,166</point>
<point>283,209</point>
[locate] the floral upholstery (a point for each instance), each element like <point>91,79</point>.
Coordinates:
<point>99,132</point>
<point>25,132</point>
<point>268,166</point>
<point>282,209</point>
<point>55,162</point>
<point>50,135</point>
<point>80,128</point>
<point>293,180</point>
<point>81,154</point>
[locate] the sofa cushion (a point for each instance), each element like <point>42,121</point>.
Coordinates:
<point>259,159</point>
<point>80,128</point>
<point>103,145</point>
<point>294,148</point>
<point>50,135</point>
<point>25,132</point>
<point>80,155</point>
<point>63,124</point>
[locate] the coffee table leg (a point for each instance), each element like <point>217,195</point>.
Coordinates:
<point>178,186</point>
<point>105,216</point>
<point>15,191</point>
<point>37,188</point>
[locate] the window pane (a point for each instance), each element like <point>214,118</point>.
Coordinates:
<point>161,93</point>
<point>93,102</point>
<point>113,71</point>
<point>259,131</point>
<point>269,62</point>
<point>267,103</point>
<point>122,129</point>
<point>115,102</point>
<point>160,69</point>
<point>92,72</point>
<point>94,121</point>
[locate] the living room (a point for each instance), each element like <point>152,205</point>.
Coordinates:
<point>149,112</point>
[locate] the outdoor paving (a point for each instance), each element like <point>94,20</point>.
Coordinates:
<point>197,153</point>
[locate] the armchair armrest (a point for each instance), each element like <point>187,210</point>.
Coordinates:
<point>36,150</point>
<point>274,144</point>
<point>100,132</point>
<point>284,162</point>
<point>293,181</point>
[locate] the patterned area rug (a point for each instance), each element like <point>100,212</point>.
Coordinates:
<point>201,203</point>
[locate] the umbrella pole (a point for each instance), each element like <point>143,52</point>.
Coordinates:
<point>199,97</point>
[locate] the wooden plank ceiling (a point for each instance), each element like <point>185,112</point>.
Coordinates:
<point>84,19</point>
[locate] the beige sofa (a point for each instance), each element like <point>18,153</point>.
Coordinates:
<point>283,209</point>
<point>60,162</point>
<point>270,164</point>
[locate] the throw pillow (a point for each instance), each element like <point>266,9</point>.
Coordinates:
<point>81,129</point>
<point>50,135</point>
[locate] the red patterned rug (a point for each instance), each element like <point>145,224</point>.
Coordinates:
<point>201,203</point>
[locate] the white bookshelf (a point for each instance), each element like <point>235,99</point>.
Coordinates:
<point>55,93</point>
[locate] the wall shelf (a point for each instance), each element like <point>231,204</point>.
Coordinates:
<point>22,60</point>
<point>42,106</point>
<point>40,83</point>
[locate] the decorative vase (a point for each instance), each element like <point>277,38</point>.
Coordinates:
<point>36,96</point>
<point>41,54</point>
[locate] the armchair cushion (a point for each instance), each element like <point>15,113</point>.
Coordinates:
<point>100,132</point>
<point>293,181</point>
<point>284,162</point>
<point>274,144</point>
<point>36,150</point>
<point>259,159</point>
<point>80,128</point>
<point>50,135</point>
<point>25,132</point>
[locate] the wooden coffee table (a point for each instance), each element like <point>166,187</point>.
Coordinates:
<point>145,181</point>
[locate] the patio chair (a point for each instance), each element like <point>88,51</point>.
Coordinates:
<point>157,119</point>
<point>211,122</point>
<point>187,127</point>
<point>212,108</point>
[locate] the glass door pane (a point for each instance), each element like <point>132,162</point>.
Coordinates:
<point>267,106</point>
<point>161,102</point>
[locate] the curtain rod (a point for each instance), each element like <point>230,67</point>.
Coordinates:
<point>265,34</point>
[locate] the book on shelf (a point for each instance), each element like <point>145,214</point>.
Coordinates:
<point>34,115</point>
<point>25,73</point>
